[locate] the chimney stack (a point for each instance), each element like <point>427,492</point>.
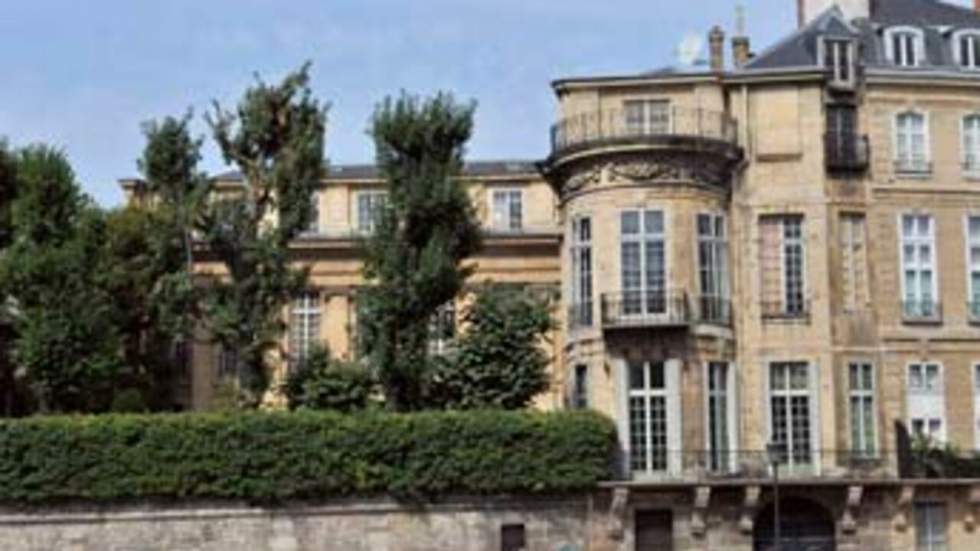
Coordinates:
<point>741,52</point>
<point>716,48</point>
<point>976,5</point>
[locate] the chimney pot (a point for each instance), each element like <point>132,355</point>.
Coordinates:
<point>716,48</point>
<point>741,52</point>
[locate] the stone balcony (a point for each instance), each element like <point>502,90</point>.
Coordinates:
<point>673,144</point>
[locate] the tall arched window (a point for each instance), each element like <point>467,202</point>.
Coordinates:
<point>911,142</point>
<point>971,143</point>
<point>904,46</point>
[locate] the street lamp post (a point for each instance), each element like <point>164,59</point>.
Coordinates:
<point>774,451</point>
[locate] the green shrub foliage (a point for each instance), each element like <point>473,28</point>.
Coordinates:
<point>263,457</point>
<point>499,361</point>
<point>320,382</point>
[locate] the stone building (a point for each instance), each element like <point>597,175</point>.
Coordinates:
<point>780,251</point>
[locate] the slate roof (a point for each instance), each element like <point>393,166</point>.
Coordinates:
<point>370,172</point>
<point>935,18</point>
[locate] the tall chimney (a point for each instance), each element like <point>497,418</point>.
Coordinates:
<point>716,48</point>
<point>741,52</point>
<point>976,5</point>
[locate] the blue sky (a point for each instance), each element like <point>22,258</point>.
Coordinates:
<point>84,75</point>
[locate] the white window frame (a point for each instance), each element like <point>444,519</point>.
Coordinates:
<point>934,540</point>
<point>715,276</point>
<point>973,288</point>
<point>579,391</point>
<point>305,310</point>
<point>583,274</point>
<point>671,393</point>
<point>642,237</point>
<point>442,329</point>
<point>970,155</point>
<point>911,165</point>
<point>924,403</point>
<point>507,221</point>
<point>917,45</point>
<point>837,68</point>
<point>933,265</point>
<point>730,453</point>
<point>863,449</point>
<point>972,63</point>
<point>784,243</point>
<point>313,228</point>
<point>376,200</point>
<point>655,116</point>
<point>813,393</point>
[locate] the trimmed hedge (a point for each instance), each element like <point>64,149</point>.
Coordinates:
<point>301,455</point>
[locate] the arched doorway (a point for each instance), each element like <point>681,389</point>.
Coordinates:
<point>804,526</point>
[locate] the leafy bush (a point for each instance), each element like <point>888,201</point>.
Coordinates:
<point>129,400</point>
<point>499,361</point>
<point>301,455</point>
<point>322,383</point>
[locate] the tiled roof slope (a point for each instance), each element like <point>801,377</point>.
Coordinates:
<point>370,172</point>
<point>936,19</point>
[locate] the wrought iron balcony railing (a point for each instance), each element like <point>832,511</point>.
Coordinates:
<point>846,151</point>
<point>620,125</point>
<point>727,464</point>
<point>645,308</point>
<point>922,311</point>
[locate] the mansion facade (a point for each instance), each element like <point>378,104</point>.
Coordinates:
<point>771,263</point>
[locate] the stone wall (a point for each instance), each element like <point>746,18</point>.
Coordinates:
<point>462,525</point>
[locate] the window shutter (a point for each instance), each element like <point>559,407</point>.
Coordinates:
<point>675,445</point>
<point>733,418</point>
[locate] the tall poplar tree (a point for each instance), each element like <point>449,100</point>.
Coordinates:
<point>427,228</point>
<point>275,137</point>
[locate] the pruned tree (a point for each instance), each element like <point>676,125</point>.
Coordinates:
<point>276,138</point>
<point>428,227</point>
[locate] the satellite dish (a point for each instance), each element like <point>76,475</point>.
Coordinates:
<point>689,49</point>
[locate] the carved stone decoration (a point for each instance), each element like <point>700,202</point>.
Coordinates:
<point>973,509</point>
<point>649,169</point>
<point>903,508</point>
<point>702,496</point>
<point>749,505</point>
<point>848,521</point>
<point>617,512</point>
<point>590,176</point>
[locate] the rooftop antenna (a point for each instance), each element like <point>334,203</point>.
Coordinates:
<point>689,50</point>
<point>739,19</point>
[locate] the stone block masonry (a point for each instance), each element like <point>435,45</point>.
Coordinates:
<point>458,525</point>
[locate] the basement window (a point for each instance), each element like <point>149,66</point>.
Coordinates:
<point>513,537</point>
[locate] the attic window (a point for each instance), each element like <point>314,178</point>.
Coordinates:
<point>903,45</point>
<point>966,48</point>
<point>838,58</point>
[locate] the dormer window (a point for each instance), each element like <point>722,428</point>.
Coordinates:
<point>903,46</point>
<point>966,48</point>
<point>838,58</point>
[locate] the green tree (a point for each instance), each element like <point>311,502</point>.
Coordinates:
<point>323,383</point>
<point>66,339</point>
<point>149,264</point>
<point>275,137</point>
<point>8,191</point>
<point>428,227</point>
<point>498,362</point>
